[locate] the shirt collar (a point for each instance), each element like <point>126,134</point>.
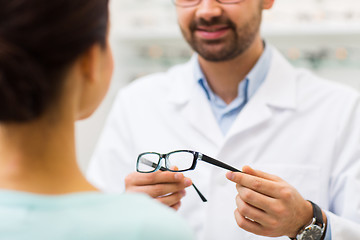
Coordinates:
<point>255,77</point>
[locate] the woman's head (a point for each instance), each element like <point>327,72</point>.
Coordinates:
<point>39,42</point>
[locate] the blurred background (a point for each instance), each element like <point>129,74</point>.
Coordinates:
<point>320,35</point>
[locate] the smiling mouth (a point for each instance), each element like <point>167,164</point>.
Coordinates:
<point>212,29</point>
<point>211,33</point>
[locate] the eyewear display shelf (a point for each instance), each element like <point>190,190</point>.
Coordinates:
<point>323,36</point>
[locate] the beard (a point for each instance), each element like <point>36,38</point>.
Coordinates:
<point>235,43</point>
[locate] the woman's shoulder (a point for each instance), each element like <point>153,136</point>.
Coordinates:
<point>94,216</point>
<point>145,216</point>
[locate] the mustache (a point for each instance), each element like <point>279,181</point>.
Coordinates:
<point>195,24</point>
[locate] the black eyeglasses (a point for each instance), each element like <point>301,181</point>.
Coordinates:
<point>176,161</point>
<point>192,3</point>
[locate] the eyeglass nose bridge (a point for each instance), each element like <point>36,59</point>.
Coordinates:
<point>208,3</point>
<point>159,165</point>
<point>198,2</point>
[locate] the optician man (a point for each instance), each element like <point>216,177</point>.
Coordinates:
<point>240,101</point>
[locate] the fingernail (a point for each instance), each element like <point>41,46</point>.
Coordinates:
<point>183,193</point>
<point>178,176</point>
<point>230,175</point>
<point>187,182</point>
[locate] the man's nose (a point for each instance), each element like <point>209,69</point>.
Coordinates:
<point>208,9</point>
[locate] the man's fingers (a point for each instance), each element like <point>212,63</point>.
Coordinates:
<point>161,189</point>
<point>254,180</point>
<point>247,224</point>
<point>176,206</point>
<point>260,185</point>
<point>255,199</point>
<point>141,179</point>
<point>166,187</point>
<point>172,200</point>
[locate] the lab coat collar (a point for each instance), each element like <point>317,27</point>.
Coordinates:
<point>279,87</point>
<point>190,98</point>
<point>184,84</point>
<point>278,91</point>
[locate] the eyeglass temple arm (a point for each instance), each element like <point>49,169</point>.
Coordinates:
<point>218,163</point>
<point>199,193</point>
<point>154,165</point>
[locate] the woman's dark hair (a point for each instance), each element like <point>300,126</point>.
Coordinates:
<point>39,39</point>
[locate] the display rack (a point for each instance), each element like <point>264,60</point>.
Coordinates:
<point>316,34</point>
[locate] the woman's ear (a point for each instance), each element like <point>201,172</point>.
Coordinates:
<point>89,63</point>
<point>267,4</point>
<point>88,81</point>
<point>94,70</point>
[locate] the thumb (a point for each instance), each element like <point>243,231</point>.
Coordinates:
<point>237,176</point>
<point>234,176</point>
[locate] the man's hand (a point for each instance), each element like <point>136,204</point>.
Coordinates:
<point>267,205</point>
<point>167,187</point>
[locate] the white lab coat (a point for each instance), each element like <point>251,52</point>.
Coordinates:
<point>297,126</point>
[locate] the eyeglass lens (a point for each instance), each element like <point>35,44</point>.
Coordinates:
<point>148,162</point>
<point>182,160</point>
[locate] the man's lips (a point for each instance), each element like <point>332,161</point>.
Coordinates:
<point>212,32</point>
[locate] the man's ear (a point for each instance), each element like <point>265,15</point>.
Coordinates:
<point>267,4</point>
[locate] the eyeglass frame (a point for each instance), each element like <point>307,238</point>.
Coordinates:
<point>197,156</point>
<point>198,2</point>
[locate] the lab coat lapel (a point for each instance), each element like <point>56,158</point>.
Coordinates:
<point>193,105</point>
<point>199,114</point>
<point>277,91</point>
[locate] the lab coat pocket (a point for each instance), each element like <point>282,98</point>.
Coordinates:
<point>308,180</point>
